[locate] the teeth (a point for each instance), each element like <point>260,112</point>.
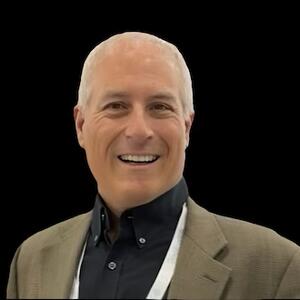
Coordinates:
<point>138,158</point>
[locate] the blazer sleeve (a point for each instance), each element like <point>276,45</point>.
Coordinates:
<point>289,287</point>
<point>12,286</point>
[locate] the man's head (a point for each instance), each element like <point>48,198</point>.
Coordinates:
<point>133,117</point>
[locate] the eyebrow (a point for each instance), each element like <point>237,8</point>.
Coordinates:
<point>162,96</point>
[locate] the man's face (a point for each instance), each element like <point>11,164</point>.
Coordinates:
<point>133,129</point>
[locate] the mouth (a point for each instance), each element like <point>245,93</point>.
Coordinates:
<point>138,158</point>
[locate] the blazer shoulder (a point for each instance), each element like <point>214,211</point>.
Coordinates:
<point>239,235</point>
<point>56,233</point>
<point>255,237</point>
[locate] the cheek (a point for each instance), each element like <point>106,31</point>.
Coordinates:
<point>94,141</point>
<point>90,138</point>
<point>173,134</point>
<point>98,141</point>
<point>94,132</point>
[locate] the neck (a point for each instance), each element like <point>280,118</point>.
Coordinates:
<point>114,221</point>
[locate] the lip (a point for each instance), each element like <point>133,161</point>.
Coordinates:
<point>138,164</point>
<point>138,154</point>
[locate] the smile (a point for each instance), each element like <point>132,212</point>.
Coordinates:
<point>134,158</point>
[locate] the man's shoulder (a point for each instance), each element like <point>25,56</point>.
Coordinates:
<point>56,232</point>
<point>254,235</point>
<point>241,234</point>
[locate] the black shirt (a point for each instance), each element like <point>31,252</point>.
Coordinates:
<point>127,268</point>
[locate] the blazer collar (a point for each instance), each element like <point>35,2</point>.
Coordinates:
<point>198,275</point>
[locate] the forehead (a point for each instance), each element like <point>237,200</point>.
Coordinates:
<point>145,62</point>
<point>141,58</point>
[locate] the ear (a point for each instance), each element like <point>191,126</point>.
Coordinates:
<point>79,122</point>
<point>188,125</point>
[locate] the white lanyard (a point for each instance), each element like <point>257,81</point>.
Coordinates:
<point>75,288</point>
<point>166,271</point>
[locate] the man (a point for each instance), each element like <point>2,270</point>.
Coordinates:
<point>145,237</point>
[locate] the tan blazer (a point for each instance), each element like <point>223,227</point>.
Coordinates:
<point>219,257</point>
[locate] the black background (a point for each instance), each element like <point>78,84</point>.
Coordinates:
<point>243,156</point>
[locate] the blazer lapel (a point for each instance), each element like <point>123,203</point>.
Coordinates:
<point>197,274</point>
<point>59,260</point>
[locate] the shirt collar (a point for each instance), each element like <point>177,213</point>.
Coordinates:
<point>162,212</point>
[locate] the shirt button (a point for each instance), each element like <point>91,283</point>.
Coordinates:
<point>142,240</point>
<point>112,265</point>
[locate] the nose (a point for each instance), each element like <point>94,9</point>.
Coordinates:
<point>138,127</point>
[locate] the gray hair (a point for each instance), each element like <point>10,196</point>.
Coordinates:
<point>95,55</point>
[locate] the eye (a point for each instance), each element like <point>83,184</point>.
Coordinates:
<point>160,107</point>
<point>115,106</point>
